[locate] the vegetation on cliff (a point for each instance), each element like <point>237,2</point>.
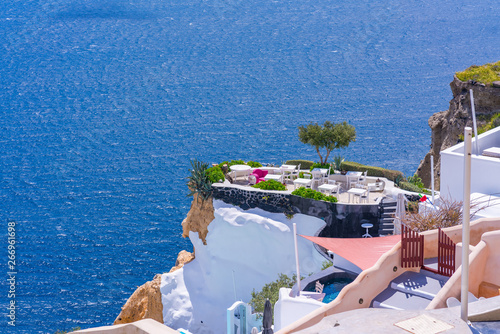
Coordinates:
<point>486,73</point>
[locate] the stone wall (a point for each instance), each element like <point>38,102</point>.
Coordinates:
<point>271,201</point>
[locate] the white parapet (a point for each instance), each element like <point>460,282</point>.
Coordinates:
<point>289,309</point>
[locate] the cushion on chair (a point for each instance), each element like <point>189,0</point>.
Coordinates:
<point>260,173</point>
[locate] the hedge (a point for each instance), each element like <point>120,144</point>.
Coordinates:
<point>372,171</point>
<point>304,164</point>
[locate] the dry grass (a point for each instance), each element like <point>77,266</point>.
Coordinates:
<point>450,213</point>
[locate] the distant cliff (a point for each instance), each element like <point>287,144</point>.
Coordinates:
<point>448,125</point>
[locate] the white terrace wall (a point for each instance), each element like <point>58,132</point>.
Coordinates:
<point>485,171</point>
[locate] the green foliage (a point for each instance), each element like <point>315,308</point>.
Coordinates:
<point>237,162</point>
<point>304,164</point>
<point>320,165</point>
<point>492,123</point>
<point>215,174</point>
<point>372,171</point>
<point>328,136</point>
<point>410,187</point>
<point>326,264</point>
<point>313,194</point>
<point>270,185</point>
<point>271,291</point>
<point>254,164</point>
<point>71,330</point>
<point>338,160</point>
<point>486,73</point>
<point>416,181</point>
<point>198,181</point>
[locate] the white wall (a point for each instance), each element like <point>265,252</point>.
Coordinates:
<point>485,171</point>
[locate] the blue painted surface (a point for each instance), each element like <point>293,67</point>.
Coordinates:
<point>103,104</point>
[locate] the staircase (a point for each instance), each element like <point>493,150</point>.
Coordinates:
<point>410,291</point>
<point>387,209</point>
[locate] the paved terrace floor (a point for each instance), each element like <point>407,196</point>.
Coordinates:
<point>343,196</point>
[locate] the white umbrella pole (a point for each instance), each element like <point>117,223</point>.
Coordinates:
<point>296,257</point>
<point>432,178</point>
<point>466,224</point>
<point>476,142</point>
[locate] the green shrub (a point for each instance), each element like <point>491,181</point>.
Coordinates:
<point>409,187</point>
<point>313,194</point>
<point>237,162</point>
<point>271,291</point>
<point>372,171</point>
<point>326,166</point>
<point>254,164</point>
<point>304,164</point>
<point>486,73</point>
<point>416,181</point>
<point>338,160</point>
<point>215,174</point>
<point>270,185</point>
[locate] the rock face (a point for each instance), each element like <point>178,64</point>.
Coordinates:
<point>145,302</point>
<point>448,125</point>
<point>182,258</point>
<point>198,218</point>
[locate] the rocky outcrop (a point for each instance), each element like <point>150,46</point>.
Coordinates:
<point>447,126</point>
<point>198,218</point>
<point>145,302</point>
<point>182,258</point>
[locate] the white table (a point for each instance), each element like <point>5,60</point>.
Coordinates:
<point>329,188</point>
<point>275,177</point>
<point>240,170</point>
<point>356,192</point>
<point>301,183</point>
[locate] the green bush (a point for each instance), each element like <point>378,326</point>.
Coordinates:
<point>416,181</point>
<point>409,187</point>
<point>486,73</point>
<point>215,174</point>
<point>270,185</point>
<point>372,171</point>
<point>254,164</point>
<point>326,264</point>
<point>492,123</point>
<point>313,194</point>
<point>304,164</point>
<point>319,165</point>
<point>198,182</point>
<point>271,291</point>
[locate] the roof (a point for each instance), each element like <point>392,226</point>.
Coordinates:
<point>363,252</point>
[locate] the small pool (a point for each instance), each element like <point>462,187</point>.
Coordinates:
<point>332,289</point>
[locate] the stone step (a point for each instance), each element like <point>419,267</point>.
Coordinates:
<point>397,300</point>
<point>389,215</point>
<point>386,226</point>
<point>423,284</point>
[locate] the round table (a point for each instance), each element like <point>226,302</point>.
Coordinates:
<point>240,170</point>
<point>367,226</point>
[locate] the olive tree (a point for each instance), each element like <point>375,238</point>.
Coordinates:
<point>328,136</point>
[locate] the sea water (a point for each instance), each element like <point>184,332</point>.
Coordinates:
<point>104,103</point>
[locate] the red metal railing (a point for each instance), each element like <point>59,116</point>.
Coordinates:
<point>412,248</point>
<point>446,255</point>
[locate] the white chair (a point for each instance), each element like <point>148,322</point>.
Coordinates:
<point>295,173</point>
<point>362,178</point>
<point>316,178</point>
<point>364,198</point>
<point>326,176</point>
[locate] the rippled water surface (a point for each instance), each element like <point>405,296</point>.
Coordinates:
<point>103,104</point>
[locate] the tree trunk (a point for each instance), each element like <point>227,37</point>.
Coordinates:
<point>320,157</point>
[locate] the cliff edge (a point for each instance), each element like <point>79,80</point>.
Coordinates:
<point>146,302</point>
<point>448,125</point>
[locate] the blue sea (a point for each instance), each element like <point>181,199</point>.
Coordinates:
<point>104,103</point>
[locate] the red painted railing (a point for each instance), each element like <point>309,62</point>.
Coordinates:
<point>446,255</point>
<point>412,248</point>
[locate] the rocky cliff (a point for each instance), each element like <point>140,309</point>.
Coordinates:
<point>448,125</point>
<point>146,302</point>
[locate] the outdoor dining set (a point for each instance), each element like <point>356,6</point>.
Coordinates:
<point>353,183</point>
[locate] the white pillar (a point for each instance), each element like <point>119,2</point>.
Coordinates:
<point>296,257</point>
<point>432,178</point>
<point>474,124</point>
<point>466,225</point>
